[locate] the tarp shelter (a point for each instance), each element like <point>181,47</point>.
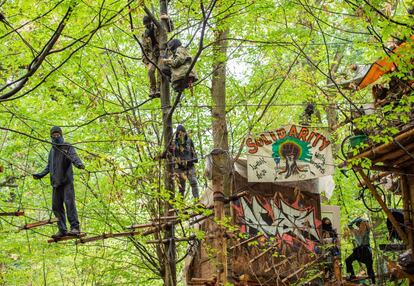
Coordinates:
<point>368,74</point>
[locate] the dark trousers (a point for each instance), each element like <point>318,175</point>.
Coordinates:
<point>189,175</point>
<point>65,194</point>
<point>362,254</point>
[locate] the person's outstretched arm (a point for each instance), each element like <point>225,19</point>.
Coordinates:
<point>74,158</point>
<point>45,170</point>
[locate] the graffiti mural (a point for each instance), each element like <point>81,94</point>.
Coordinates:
<point>290,223</point>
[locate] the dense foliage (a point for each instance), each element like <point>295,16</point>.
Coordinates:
<point>92,83</point>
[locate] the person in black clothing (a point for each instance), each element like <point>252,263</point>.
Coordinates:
<point>181,154</point>
<point>362,252</point>
<point>184,156</point>
<point>330,238</point>
<point>61,157</point>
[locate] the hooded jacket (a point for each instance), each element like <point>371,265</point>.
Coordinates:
<point>59,163</point>
<point>184,151</point>
<point>180,62</point>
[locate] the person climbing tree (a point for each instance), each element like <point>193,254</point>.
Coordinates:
<point>182,155</point>
<point>61,157</point>
<point>180,62</point>
<point>151,55</point>
<point>362,252</point>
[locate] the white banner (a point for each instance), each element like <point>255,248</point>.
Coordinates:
<point>291,153</point>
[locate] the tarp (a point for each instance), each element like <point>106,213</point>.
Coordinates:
<point>290,153</point>
<point>384,65</point>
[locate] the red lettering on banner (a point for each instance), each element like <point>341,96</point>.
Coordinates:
<point>251,144</point>
<point>293,132</point>
<point>303,133</point>
<point>281,133</point>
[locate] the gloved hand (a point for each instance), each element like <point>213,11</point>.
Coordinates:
<point>82,167</point>
<point>37,176</point>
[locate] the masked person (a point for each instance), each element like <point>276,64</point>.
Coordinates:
<point>330,239</point>
<point>151,55</point>
<point>180,62</point>
<point>184,157</point>
<point>61,157</point>
<point>362,252</point>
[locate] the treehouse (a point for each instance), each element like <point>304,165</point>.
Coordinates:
<point>393,159</point>
<point>274,235</point>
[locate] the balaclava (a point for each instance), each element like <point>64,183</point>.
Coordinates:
<point>57,129</point>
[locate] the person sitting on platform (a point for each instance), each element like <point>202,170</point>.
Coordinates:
<point>362,252</point>
<point>61,157</point>
<point>180,62</point>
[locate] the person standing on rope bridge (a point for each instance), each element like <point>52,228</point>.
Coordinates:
<point>180,62</point>
<point>151,55</point>
<point>362,252</point>
<point>61,157</point>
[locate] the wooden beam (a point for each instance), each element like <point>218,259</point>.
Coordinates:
<point>374,178</point>
<point>67,237</point>
<point>301,269</point>
<point>39,223</point>
<point>394,155</point>
<point>384,148</point>
<point>246,241</point>
<point>106,236</point>
<point>176,239</point>
<point>18,213</point>
<point>392,219</point>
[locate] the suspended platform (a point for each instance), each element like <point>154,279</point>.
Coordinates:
<point>67,237</point>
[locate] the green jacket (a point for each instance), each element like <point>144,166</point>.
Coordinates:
<point>180,63</point>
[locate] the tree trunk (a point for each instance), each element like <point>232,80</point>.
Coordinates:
<point>168,266</point>
<point>221,158</point>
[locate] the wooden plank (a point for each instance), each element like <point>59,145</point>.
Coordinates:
<point>39,223</point>
<point>18,213</point>
<point>384,148</point>
<point>394,155</point>
<point>66,237</point>
<point>107,235</point>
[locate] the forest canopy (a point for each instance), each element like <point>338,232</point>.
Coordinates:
<point>79,65</point>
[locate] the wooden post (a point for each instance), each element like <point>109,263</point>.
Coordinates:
<point>393,221</point>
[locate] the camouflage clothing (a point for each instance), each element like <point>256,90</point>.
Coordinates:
<point>180,62</point>
<point>151,49</point>
<point>150,56</point>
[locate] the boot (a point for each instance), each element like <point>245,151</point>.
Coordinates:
<point>155,94</point>
<point>59,234</point>
<point>74,232</point>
